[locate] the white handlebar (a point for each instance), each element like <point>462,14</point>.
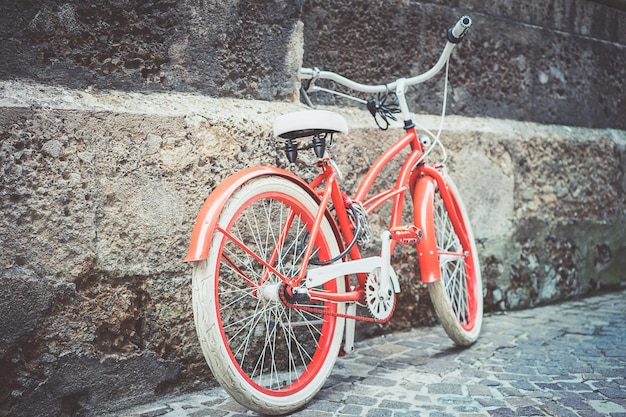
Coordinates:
<point>462,26</point>
<point>455,34</point>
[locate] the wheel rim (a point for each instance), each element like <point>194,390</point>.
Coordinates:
<point>276,349</point>
<point>457,269</point>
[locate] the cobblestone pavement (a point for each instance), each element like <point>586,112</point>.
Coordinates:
<point>560,360</point>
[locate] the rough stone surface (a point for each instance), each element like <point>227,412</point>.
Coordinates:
<point>557,62</point>
<point>233,48</point>
<point>24,300</point>
<point>76,384</point>
<point>559,360</point>
<point>100,191</point>
<point>552,62</point>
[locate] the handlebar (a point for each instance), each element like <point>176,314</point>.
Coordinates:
<point>455,35</point>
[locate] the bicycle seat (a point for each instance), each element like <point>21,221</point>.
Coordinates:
<point>308,123</point>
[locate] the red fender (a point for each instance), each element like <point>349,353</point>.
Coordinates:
<point>423,195</point>
<point>213,205</point>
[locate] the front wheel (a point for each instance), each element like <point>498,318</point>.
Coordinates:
<point>458,295</point>
<point>271,358</point>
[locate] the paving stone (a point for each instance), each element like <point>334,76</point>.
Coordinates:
<point>524,385</point>
<point>156,412</point>
<point>411,413</point>
<point>558,410</point>
<point>379,412</point>
<point>517,402</point>
<point>491,402</point>
<point>479,390</point>
<point>529,411</point>
<point>208,413</point>
<point>322,405</point>
<point>578,403</point>
<point>379,382</point>
<point>613,392</point>
<point>351,410</point>
<point>396,405</point>
<point>549,386</point>
<point>563,360</point>
<point>575,386</point>
<point>591,396</point>
<point>502,412</point>
<point>445,389</point>
<point>509,392</point>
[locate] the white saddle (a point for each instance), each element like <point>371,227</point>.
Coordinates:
<point>308,123</point>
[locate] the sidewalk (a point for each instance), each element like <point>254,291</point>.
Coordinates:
<point>561,360</point>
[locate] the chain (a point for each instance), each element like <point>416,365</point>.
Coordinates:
<point>318,311</point>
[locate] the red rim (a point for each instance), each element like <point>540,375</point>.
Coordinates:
<point>327,330</point>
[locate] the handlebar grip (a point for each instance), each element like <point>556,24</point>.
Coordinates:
<point>456,33</point>
<point>307,73</point>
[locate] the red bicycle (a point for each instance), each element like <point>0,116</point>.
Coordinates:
<point>277,266</point>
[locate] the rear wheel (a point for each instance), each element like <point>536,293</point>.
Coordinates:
<point>458,295</point>
<point>271,358</point>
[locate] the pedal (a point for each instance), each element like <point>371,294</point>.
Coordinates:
<point>406,235</point>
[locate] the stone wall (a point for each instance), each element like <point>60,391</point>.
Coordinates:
<point>560,62</point>
<point>100,191</point>
<point>117,120</point>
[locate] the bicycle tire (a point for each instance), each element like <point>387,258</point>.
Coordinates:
<point>457,296</point>
<point>270,358</point>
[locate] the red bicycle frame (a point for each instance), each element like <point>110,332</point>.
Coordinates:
<point>420,179</point>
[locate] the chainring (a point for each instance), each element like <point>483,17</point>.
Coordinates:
<point>380,298</point>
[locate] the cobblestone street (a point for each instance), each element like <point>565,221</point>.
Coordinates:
<point>559,360</point>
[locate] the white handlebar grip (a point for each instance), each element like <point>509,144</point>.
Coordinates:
<point>306,73</point>
<point>461,27</point>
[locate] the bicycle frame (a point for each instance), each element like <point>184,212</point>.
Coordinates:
<point>414,175</point>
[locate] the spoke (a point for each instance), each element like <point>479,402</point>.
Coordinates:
<point>239,293</point>
<point>253,227</point>
<point>244,258</point>
<point>243,347</point>
<point>290,335</point>
<point>270,237</point>
<point>248,319</point>
<point>294,249</point>
<point>233,267</point>
<point>451,258</point>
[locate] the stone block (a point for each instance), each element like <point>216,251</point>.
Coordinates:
<point>100,192</point>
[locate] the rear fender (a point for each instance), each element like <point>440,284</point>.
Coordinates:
<point>210,211</point>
